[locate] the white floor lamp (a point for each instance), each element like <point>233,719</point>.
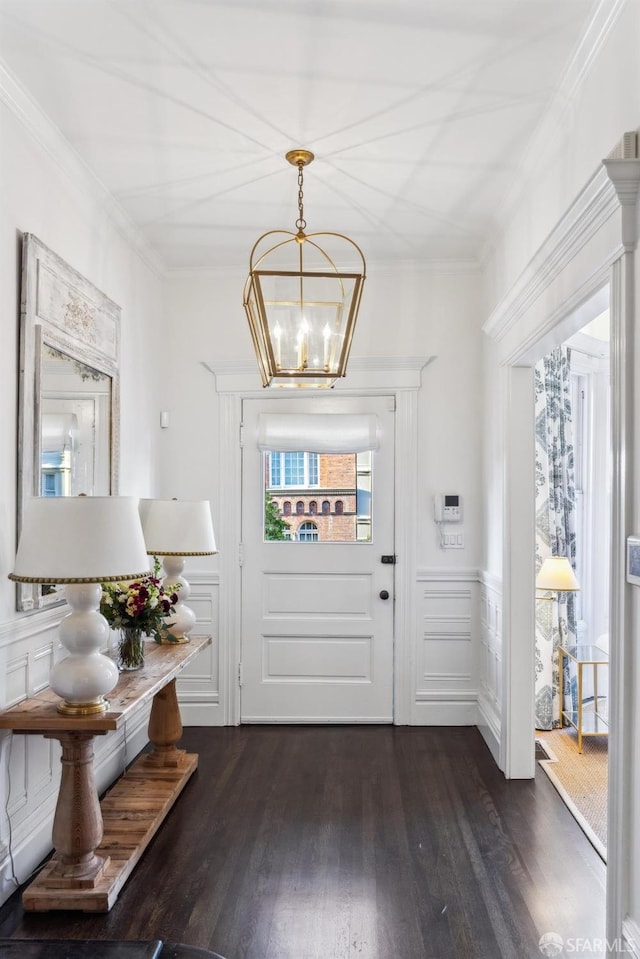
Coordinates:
<point>555,576</point>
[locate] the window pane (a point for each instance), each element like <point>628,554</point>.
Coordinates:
<point>319,497</point>
<point>313,469</point>
<point>307,532</point>
<point>274,459</point>
<point>293,469</point>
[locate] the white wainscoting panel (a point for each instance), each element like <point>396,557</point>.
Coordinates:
<point>490,691</point>
<point>30,765</point>
<point>446,660</point>
<point>199,684</point>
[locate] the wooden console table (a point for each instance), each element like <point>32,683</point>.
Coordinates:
<point>98,844</point>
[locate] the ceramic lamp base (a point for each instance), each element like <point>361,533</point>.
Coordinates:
<point>86,675</point>
<point>183,619</point>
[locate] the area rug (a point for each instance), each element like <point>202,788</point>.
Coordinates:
<point>580,778</point>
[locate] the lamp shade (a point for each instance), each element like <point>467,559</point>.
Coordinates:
<point>80,539</point>
<point>556,574</point>
<point>174,527</point>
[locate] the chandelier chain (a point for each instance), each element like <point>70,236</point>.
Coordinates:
<point>300,222</point>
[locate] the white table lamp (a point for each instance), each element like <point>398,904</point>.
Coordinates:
<point>174,529</point>
<point>82,541</point>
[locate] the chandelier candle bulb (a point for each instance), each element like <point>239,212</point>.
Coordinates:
<point>277,332</point>
<point>327,340</point>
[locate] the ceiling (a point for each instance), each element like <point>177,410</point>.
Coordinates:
<point>419,112</point>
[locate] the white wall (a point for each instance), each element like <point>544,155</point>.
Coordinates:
<point>171,325</point>
<point>409,312</point>
<point>599,100</point>
<point>531,284</point>
<point>45,191</point>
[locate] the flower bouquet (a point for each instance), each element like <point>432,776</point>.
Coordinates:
<point>138,609</point>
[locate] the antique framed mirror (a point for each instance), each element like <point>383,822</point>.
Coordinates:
<point>68,411</point>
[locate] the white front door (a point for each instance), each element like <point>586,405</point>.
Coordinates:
<point>317,616</point>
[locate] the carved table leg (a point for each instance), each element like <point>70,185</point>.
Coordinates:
<point>77,826</point>
<point>165,728</point>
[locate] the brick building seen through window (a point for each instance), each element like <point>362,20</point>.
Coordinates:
<point>322,497</point>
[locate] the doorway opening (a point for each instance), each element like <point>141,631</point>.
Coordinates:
<point>573,519</point>
<point>318,493</point>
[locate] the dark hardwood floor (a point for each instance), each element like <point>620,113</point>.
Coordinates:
<point>334,842</point>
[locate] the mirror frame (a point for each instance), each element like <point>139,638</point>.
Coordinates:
<point>62,309</point>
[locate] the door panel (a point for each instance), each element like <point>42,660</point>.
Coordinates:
<point>317,639</point>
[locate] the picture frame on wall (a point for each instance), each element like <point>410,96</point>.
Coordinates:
<point>633,560</point>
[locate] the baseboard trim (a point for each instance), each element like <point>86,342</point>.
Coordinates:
<point>489,726</point>
<point>321,721</point>
<point>445,713</point>
<point>202,714</point>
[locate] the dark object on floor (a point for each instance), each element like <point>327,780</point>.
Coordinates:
<point>98,949</point>
<point>177,950</point>
<point>541,752</point>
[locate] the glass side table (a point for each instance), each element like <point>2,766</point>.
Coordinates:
<point>589,723</point>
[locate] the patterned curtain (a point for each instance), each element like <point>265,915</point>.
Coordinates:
<point>555,529</point>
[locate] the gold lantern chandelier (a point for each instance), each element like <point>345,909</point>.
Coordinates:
<point>301,307</point>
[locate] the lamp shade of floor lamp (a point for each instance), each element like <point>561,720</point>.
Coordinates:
<point>556,575</point>
<point>81,542</point>
<point>175,529</point>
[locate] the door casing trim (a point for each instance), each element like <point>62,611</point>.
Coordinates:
<point>400,377</point>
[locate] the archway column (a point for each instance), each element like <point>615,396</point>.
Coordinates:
<point>517,747</point>
<point>591,248</point>
<point>625,520</point>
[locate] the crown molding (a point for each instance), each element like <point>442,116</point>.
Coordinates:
<point>595,204</point>
<point>81,179</point>
<point>448,267</point>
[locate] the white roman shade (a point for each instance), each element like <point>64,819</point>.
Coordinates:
<point>318,432</point>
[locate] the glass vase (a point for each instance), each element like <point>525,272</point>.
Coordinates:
<point>130,649</point>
